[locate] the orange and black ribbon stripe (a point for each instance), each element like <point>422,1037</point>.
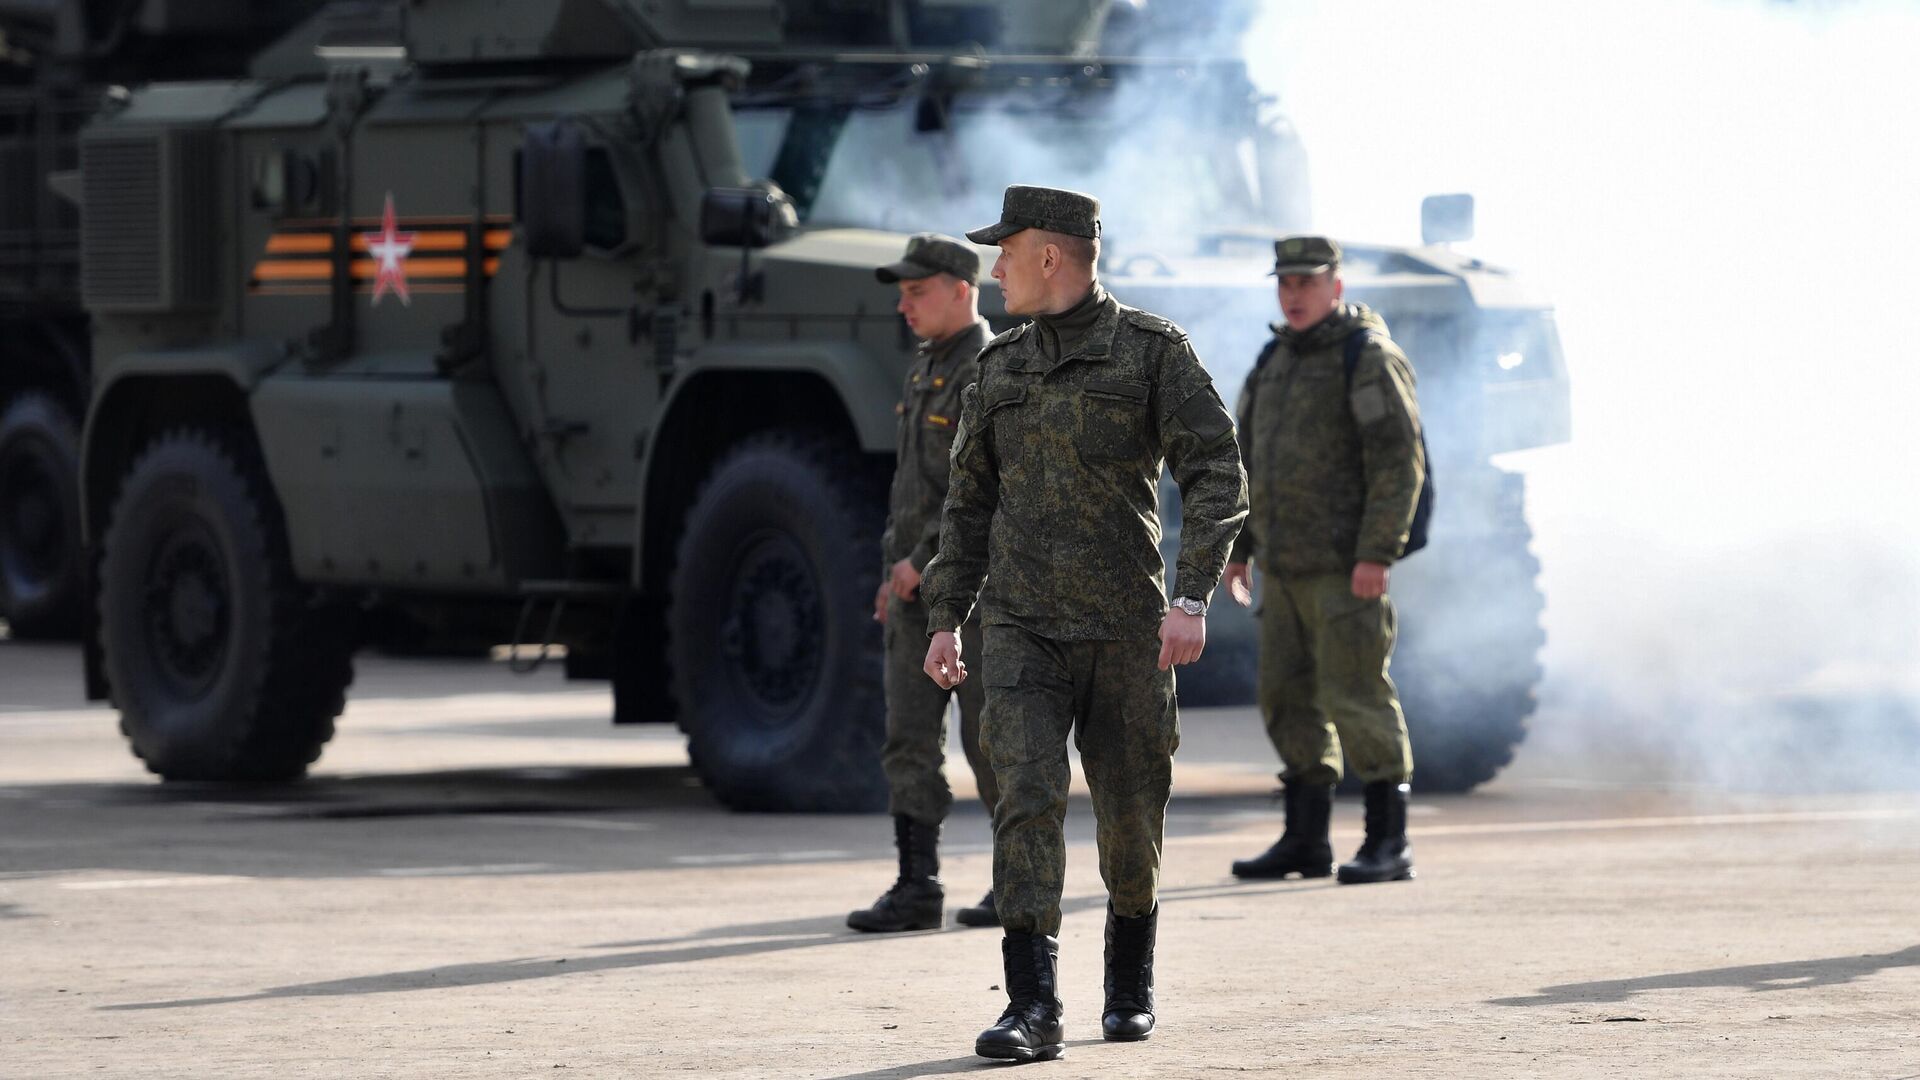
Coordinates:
<point>299,256</point>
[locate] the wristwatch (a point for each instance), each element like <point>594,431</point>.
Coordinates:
<point>1189,605</point>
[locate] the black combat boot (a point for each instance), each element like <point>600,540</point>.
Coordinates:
<point>1129,1013</point>
<point>914,902</point>
<point>981,914</point>
<point>1304,848</point>
<point>1030,1029</point>
<point>1385,854</point>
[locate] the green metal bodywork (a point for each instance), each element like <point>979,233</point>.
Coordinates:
<point>401,467</point>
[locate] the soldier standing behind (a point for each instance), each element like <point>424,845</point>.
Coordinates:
<point>1334,464</point>
<point>941,302</point>
<point>1053,507</point>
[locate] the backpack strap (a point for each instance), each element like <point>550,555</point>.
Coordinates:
<point>1357,343</point>
<point>1266,353</point>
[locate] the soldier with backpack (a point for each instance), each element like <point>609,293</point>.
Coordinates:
<point>1337,474</point>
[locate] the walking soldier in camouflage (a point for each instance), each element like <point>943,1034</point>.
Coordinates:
<point>1331,438</point>
<point>940,299</point>
<point>1053,510</point>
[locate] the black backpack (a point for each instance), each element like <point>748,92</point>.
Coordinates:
<point>1423,507</point>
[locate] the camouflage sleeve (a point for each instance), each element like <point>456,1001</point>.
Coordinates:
<point>1246,544</point>
<point>887,535</point>
<point>1196,435</point>
<point>1388,416</point>
<point>928,544</point>
<point>923,552</point>
<point>886,545</point>
<point>952,580</point>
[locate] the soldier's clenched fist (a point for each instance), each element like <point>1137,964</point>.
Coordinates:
<point>943,660</point>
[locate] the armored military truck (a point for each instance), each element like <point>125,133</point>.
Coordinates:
<point>538,322</point>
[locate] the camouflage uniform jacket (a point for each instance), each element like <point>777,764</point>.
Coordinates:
<point>929,415</point>
<point>1334,469</point>
<point>1053,503</point>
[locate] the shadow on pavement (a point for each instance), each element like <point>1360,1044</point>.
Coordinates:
<point>1788,975</point>
<point>943,1067</point>
<point>946,1066</point>
<point>783,936</point>
<point>1071,905</point>
<point>599,818</point>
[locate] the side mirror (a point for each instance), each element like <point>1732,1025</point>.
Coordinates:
<point>1446,218</point>
<point>741,217</point>
<point>553,190</point>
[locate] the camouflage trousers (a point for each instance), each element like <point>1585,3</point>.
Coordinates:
<point>914,756</point>
<point>1323,670</point>
<point>1118,706</point>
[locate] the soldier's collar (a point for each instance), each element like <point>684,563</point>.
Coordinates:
<point>1095,345</point>
<point>938,348</point>
<point>1099,339</point>
<point>1098,344</point>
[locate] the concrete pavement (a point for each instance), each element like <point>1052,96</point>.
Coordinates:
<point>484,879</point>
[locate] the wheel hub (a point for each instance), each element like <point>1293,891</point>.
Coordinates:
<point>186,608</point>
<point>192,610</point>
<point>774,622</point>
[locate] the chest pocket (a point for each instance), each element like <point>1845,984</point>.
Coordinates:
<point>939,408</point>
<point>1113,421</point>
<point>979,406</point>
<point>929,404</point>
<point>1319,397</point>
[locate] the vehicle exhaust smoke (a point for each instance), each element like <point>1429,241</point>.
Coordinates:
<point>1716,195</point>
<point>1720,199</point>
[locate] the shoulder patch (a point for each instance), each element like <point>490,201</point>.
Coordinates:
<point>1147,320</point>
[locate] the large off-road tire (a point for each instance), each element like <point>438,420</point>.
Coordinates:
<point>40,560</point>
<point>222,666</point>
<point>1468,659</point>
<point>776,662</point>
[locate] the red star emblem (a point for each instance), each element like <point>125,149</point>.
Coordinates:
<point>390,248</point>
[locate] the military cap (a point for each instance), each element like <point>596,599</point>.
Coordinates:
<point>1304,255</point>
<point>1052,209</point>
<point>929,254</point>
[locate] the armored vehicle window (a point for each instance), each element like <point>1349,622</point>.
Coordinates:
<point>269,181</point>
<point>606,205</point>
<point>287,183</point>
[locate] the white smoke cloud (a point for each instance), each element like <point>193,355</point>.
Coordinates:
<point>1721,199</point>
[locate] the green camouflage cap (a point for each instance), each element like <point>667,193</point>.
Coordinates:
<point>929,254</point>
<point>1071,212</point>
<point>1304,255</point>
